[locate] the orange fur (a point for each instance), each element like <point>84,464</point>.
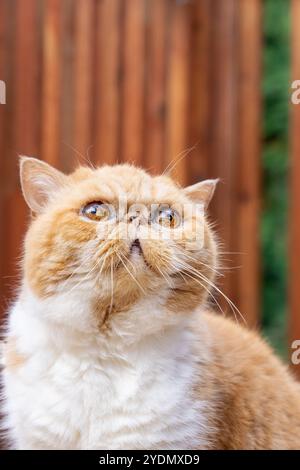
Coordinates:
<point>58,236</point>
<point>13,359</point>
<point>256,401</point>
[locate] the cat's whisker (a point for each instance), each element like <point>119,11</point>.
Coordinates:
<point>196,260</point>
<point>205,288</point>
<point>86,159</point>
<point>88,154</point>
<point>86,277</point>
<point>77,268</point>
<point>131,274</point>
<point>76,271</point>
<point>167,279</point>
<point>175,161</point>
<point>232,253</point>
<point>231,268</point>
<point>186,254</point>
<point>190,268</point>
<point>232,306</point>
<point>196,280</point>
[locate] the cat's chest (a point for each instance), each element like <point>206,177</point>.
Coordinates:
<point>118,404</point>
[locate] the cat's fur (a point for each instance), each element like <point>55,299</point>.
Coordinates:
<point>108,354</point>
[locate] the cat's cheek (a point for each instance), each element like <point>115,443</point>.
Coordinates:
<point>47,266</point>
<point>54,245</point>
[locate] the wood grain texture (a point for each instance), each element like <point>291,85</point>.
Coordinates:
<point>65,111</point>
<point>5,46</point>
<point>177,92</point>
<point>223,124</point>
<point>155,93</point>
<point>294,247</point>
<point>83,70</point>
<point>199,104</point>
<point>52,81</point>
<point>133,81</point>
<point>107,85</point>
<point>24,125</point>
<point>246,236</point>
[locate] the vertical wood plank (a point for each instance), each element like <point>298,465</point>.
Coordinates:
<point>65,153</point>
<point>24,125</point>
<point>199,87</point>
<point>51,92</point>
<point>20,126</point>
<point>223,122</point>
<point>107,85</point>
<point>155,95</point>
<point>27,79</point>
<point>247,197</point>
<point>294,224</point>
<point>4,114</point>
<point>177,91</point>
<point>9,61</point>
<point>4,49</point>
<point>133,81</point>
<point>83,77</point>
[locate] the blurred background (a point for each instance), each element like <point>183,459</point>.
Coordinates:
<point>201,86</point>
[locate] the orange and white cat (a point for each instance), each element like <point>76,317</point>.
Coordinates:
<point>109,344</point>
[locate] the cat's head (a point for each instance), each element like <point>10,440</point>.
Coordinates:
<point>106,240</point>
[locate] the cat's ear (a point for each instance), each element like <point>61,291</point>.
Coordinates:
<point>39,181</point>
<point>202,192</point>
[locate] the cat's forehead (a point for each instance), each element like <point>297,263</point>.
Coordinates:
<point>113,182</point>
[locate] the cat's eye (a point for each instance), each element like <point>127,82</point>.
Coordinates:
<point>97,211</point>
<point>167,217</point>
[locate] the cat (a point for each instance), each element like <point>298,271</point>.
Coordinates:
<point>111,343</point>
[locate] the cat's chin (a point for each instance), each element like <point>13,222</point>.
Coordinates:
<point>140,262</point>
<point>137,256</point>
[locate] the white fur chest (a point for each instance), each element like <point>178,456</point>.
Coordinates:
<point>138,397</point>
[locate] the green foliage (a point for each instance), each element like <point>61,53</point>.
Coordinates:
<point>276,91</point>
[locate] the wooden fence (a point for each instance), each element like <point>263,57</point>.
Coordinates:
<point>294,251</point>
<point>142,81</point>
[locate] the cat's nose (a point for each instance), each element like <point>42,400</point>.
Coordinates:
<point>133,217</point>
<point>137,216</point>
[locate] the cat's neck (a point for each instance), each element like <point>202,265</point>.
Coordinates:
<point>152,373</point>
<point>67,324</point>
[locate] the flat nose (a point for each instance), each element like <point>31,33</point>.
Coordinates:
<point>137,215</point>
<point>133,217</point>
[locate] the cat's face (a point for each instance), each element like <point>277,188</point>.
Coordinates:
<point>116,235</point>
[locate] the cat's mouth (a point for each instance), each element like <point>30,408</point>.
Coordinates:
<point>137,253</point>
<point>136,248</point>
